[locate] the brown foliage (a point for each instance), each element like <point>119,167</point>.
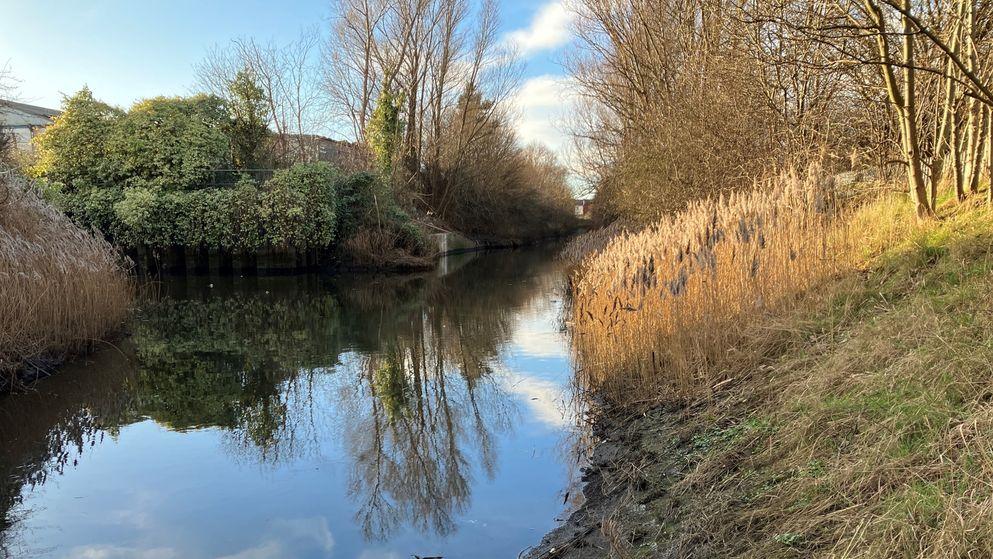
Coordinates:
<point>663,311</point>
<point>62,288</point>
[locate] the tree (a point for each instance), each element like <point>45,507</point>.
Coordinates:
<point>171,142</point>
<point>75,149</point>
<point>248,132</point>
<point>289,83</point>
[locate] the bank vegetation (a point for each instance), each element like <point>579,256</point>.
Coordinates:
<point>789,307</point>
<point>64,289</point>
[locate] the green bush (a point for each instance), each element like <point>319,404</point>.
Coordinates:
<point>357,199</point>
<point>296,209</point>
<point>74,150</point>
<point>151,217</point>
<point>299,206</point>
<point>171,142</point>
<point>365,203</point>
<point>88,206</point>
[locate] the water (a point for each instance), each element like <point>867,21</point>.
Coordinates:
<point>305,417</point>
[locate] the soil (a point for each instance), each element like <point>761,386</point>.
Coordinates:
<point>628,504</point>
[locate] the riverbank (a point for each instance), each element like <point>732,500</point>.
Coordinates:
<point>63,289</point>
<point>178,261</point>
<point>862,432</point>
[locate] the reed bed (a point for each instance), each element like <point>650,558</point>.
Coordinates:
<point>583,246</point>
<point>677,308</point>
<point>61,288</point>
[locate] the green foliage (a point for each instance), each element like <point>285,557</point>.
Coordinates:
<point>299,206</point>
<point>366,203</point>
<point>385,130</point>
<point>91,207</point>
<point>143,178</point>
<point>150,217</point>
<point>171,142</point>
<point>296,209</point>
<point>74,149</point>
<point>249,129</point>
<point>358,197</point>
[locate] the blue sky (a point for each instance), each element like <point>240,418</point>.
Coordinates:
<point>128,50</point>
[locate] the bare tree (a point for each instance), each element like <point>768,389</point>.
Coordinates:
<point>287,76</point>
<point>8,92</point>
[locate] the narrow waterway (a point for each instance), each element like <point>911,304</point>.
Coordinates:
<point>305,416</point>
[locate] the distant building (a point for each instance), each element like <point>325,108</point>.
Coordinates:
<point>24,121</point>
<point>347,156</point>
<point>583,207</point>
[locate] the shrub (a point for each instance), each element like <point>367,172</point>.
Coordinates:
<point>150,217</point>
<point>171,142</point>
<point>358,195</point>
<point>89,207</point>
<point>299,208</point>
<point>74,150</point>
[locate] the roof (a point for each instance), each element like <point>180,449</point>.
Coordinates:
<point>21,115</point>
<point>32,110</point>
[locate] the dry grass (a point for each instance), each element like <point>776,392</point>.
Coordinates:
<point>583,246</point>
<point>675,309</point>
<point>870,436</point>
<point>864,431</point>
<point>61,287</point>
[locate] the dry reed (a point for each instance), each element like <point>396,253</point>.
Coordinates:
<point>61,287</point>
<point>671,310</point>
<point>583,246</point>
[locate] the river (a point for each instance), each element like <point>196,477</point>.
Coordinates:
<point>305,416</point>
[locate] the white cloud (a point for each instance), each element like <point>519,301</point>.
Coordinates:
<point>117,552</point>
<point>549,29</point>
<point>543,103</point>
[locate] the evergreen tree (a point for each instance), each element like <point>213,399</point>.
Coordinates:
<point>385,130</point>
<point>249,130</point>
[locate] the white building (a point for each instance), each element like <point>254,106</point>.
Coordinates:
<point>24,121</point>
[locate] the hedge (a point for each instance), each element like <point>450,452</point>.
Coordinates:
<point>297,209</point>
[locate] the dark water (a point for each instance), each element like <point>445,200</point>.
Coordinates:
<point>305,417</point>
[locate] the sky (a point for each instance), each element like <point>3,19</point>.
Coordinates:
<point>130,50</point>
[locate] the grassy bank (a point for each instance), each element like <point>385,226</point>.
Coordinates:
<point>63,289</point>
<point>850,420</point>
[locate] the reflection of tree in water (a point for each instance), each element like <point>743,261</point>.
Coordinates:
<point>234,361</point>
<point>52,428</point>
<point>435,402</point>
<point>262,362</point>
<point>413,441</point>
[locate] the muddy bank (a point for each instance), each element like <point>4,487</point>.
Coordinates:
<point>628,505</point>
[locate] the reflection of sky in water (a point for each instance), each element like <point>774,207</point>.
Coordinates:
<point>147,491</point>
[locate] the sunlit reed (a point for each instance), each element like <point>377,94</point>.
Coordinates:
<point>671,310</point>
<point>62,288</point>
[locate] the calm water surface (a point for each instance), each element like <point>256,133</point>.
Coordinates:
<point>306,416</point>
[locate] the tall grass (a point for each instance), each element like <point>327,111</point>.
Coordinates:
<point>61,288</point>
<point>675,309</point>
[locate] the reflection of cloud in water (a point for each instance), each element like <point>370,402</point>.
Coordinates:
<point>549,401</point>
<point>374,554</point>
<point>291,538</point>
<point>270,549</point>
<point>537,334</point>
<point>118,552</point>
<point>539,343</point>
